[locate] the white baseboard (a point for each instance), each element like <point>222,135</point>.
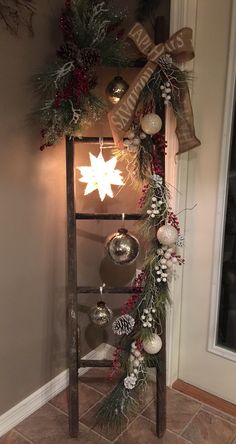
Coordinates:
<point>37,399</point>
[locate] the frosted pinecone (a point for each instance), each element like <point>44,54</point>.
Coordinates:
<point>123,325</point>
<point>130,382</point>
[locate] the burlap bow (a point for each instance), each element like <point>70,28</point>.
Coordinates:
<point>179,46</point>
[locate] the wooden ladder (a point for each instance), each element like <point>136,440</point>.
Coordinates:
<point>73,290</point>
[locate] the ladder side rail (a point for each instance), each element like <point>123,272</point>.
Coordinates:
<point>72,303</point>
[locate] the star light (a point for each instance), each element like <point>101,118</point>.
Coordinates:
<point>100,176</point>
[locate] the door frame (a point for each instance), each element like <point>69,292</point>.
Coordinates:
<point>183,13</point>
<point>222,196</point>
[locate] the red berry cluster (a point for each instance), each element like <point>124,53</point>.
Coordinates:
<point>139,344</point>
<point>77,85</point>
<point>180,260</point>
<point>160,143</point>
<point>157,167</point>
<point>143,197</point>
<point>138,286</point>
<point>130,304</point>
<point>115,361</point>
<point>66,25</point>
<point>173,220</point>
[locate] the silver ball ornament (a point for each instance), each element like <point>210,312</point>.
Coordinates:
<point>122,247</point>
<point>151,123</point>
<point>152,345</point>
<point>167,235</point>
<point>101,314</point>
<point>116,89</point>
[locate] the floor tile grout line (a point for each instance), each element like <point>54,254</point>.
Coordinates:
<point>90,408</point>
<point>131,422</point>
<point>187,396</point>
<point>201,402</point>
<point>189,422</point>
<point>220,417</point>
<point>125,430</point>
<point>92,388</point>
<point>58,409</point>
<point>96,433</point>
<point>167,430</point>
<point>204,407</point>
<point>24,437</point>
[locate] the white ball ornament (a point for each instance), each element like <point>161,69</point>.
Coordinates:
<point>152,345</point>
<point>131,135</point>
<point>142,136</point>
<point>136,141</point>
<point>151,123</point>
<point>167,235</point>
<point>136,363</point>
<point>137,353</point>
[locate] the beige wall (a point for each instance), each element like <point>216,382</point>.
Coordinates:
<point>32,227</point>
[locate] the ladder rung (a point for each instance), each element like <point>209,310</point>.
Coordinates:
<point>94,140</point>
<point>110,290</point>
<point>99,363</point>
<point>95,363</point>
<point>108,216</point>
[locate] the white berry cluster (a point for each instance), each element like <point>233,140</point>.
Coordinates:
<point>164,263</point>
<point>155,207</point>
<point>147,317</point>
<point>130,382</point>
<point>166,92</point>
<point>133,141</point>
<point>136,360</point>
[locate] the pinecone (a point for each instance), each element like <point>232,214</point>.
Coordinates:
<point>68,51</point>
<point>123,325</point>
<point>88,57</point>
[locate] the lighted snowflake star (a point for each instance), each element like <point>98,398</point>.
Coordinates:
<point>100,176</point>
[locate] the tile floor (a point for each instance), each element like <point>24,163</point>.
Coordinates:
<point>188,421</point>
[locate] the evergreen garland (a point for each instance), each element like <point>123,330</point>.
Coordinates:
<point>65,88</point>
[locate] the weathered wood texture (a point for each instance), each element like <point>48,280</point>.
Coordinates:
<point>73,290</point>
<point>108,216</point>
<point>72,304</point>
<point>108,290</point>
<point>161,34</point>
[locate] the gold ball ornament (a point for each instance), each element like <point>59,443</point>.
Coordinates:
<point>167,235</point>
<point>101,314</point>
<point>153,344</point>
<point>122,247</point>
<point>116,89</point>
<point>151,123</point>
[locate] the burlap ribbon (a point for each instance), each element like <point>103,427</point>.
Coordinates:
<point>179,46</point>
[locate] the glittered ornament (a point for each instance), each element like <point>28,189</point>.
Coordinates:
<point>101,314</point>
<point>153,344</point>
<point>151,123</point>
<point>116,89</point>
<point>122,247</point>
<point>167,235</point>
